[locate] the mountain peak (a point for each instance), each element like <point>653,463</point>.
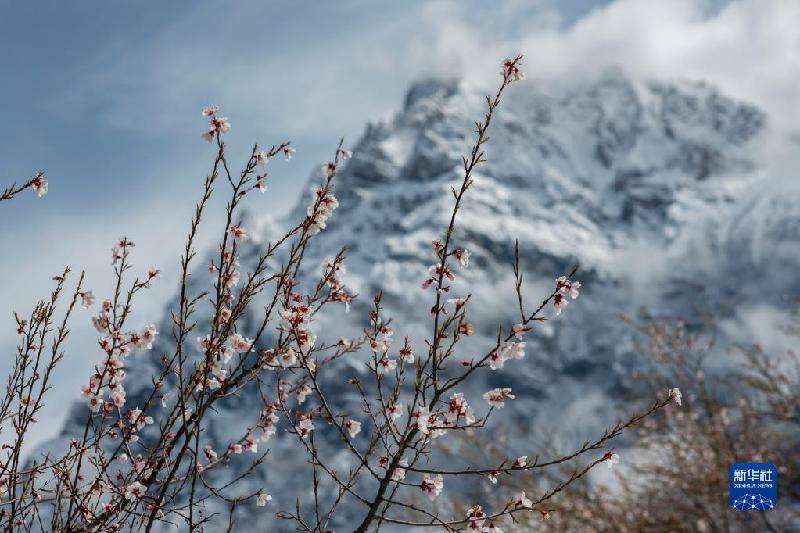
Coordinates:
<point>430,88</point>
<point>609,174</point>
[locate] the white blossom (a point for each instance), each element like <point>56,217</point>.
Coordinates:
<point>521,500</point>
<point>675,395</point>
<point>399,472</point>
<point>496,397</point>
<point>87,299</point>
<point>353,427</point>
<point>432,486</point>
<point>611,459</point>
<point>134,491</point>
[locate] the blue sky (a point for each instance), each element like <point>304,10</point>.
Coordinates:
<point>106,98</point>
<point>104,95</point>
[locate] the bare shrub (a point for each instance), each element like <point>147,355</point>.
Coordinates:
<point>677,479</point>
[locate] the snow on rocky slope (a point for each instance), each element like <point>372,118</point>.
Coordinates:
<point>656,189</point>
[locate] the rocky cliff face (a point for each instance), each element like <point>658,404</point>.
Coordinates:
<point>657,190</point>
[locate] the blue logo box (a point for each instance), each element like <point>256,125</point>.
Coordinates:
<point>753,486</point>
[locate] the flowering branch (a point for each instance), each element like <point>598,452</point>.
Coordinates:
<point>137,466</point>
<point>37,183</point>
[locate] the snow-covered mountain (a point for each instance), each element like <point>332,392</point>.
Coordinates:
<point>658,190</point>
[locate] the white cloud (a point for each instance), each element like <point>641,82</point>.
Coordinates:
<point>749,48</point>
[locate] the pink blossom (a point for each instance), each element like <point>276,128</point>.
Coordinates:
<point>261,183</point>
<point>511,70</point>
<point>610,459</point>
<point>395,411</point>
<point>95,402</point>
<point>496,397</point>
<point>399,472</point>
<point>380,345</point>
<point>462,256</point>
<point>302,392</point>
<point>238,232</point>
<point>135,418</point>
<point>457,302</point>
<point>288,151</point>
<point>386,365</point>
<point>434,271</point>
<point>134,491</point>
<point>521,461</point>
<point>520,500</point>
<point>458,409</point>
<point>118,397</point>
<point>125,243</point>
<point>432,486</point>
<point>211,455</point>
<point>304,427</point>
<point>507,350</point>
<point>329,169</point>
<point>251,445</point>
<point>353,427</point>
<point>496,360</point>
<point>288,357</point>
<point>476,518</point>
<point>40,186</point>
<point>240,343</point>
<point>571,287</point>
<point>261,157</point>
<point>675,395</point>
<point>219,125</point>
<point>148,336</point>
<point>420,418</point>
<point>262,499</point>
<point>99,487</point>
<point>560,303</point>
<point>407,355</point>
<point>232,280</point>
<point>320,210</point>
<point>87,299</point>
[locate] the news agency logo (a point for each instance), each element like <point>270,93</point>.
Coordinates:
<point>753,486</point>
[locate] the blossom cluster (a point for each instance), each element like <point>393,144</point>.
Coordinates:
<point>441,270</point>
<point>110,375</point>
<point>320,210</point>
<point>217,125</point>
<point>565,287</point>
<point>296,320</point>
<point>39,185</point>
<point>506,351</point>
<point>332,272</point>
